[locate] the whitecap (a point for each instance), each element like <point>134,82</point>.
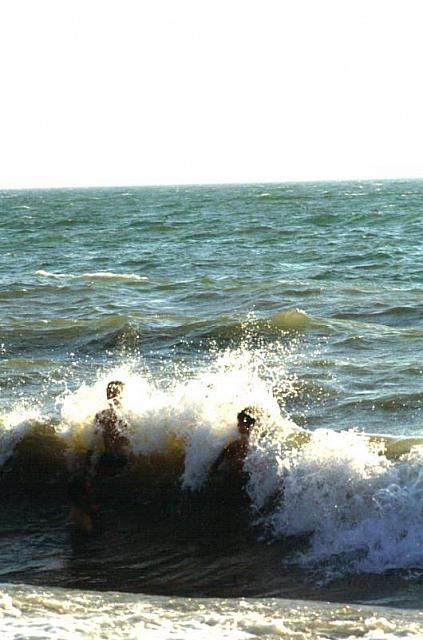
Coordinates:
<point>96,275</point>
<point>109,275</point>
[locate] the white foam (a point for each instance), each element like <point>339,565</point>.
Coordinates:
<point>13,426</point>
<point>96,275</point>
<point>48,274</point>
<point>363,510</point>
<point>7,607</point>
<point>194,412</point>
<point>109,275</point>
<point>40,612</point>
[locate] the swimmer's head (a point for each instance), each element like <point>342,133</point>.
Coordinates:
<point>245,421</point>
<point>114,390</point>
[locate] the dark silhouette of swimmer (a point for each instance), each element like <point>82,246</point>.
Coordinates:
<point>110,425</point>
<point>83,507</point>
<point>233,455</point>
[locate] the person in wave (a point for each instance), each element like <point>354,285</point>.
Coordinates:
<point>116,453</point>
<point>231,459</point>
<point>83,508</point>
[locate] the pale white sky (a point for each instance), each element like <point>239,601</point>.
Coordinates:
<point>131,92</point>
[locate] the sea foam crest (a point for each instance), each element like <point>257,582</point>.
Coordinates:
<point>13,427</point>
<point>96,275</point>
<point>193,413</point>
<point>363,511</point>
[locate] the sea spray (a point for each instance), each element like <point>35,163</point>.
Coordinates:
<point>363,511</point>
<point>194,410</point>
<point>169,407</point>
<point>13,427</point>
<point>361,508</point>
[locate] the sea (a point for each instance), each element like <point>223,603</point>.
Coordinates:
<point>302,302</point>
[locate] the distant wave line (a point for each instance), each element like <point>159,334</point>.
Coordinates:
<point>96,275</point>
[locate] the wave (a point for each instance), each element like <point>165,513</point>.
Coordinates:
<point>96,275</point>
<point>186,414</point>
<point>290,319</point>
<point>387,402</point>
<point>298,320</point>
<point>69,334</point>
<point>132,331</point>
<point>356,497</point>
<point>142,331</point>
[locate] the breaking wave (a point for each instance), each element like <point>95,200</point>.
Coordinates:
<point>358,498</point>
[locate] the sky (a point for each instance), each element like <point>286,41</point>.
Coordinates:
<point>141,92</point>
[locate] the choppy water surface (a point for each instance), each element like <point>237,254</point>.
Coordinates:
<point>302,300</point>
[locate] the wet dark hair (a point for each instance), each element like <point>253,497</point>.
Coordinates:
<point>114,388</point>
<point>246,418</point>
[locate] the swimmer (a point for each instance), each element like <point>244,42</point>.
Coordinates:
<point>233,455</point>
<point>108,423</point>
<point>83,508</point>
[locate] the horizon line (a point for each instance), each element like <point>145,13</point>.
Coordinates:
<point>208,184</point>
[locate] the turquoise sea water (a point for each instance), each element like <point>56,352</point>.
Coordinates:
<point>304,300</point>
